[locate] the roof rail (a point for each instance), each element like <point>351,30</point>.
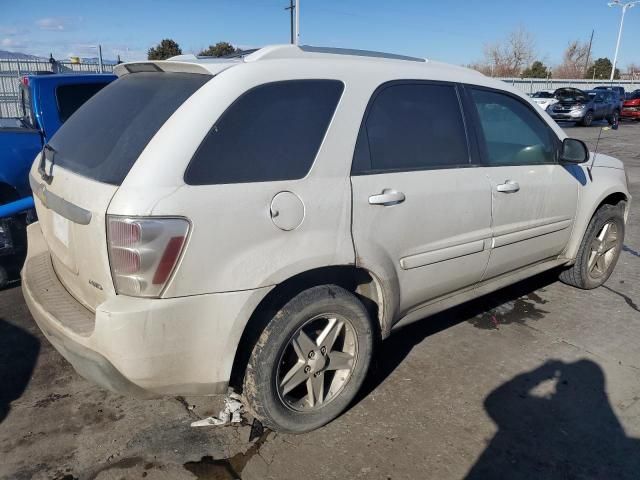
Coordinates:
<point>307,51</point>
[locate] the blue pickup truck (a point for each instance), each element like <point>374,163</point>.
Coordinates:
<point>46,101</point>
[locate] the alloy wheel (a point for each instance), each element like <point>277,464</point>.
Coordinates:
<point>317,362</point>
<point>603,251</point>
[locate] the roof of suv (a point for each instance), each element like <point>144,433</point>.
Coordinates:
<point>192,63</point>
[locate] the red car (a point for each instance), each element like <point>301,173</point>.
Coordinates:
<point>631,107</point>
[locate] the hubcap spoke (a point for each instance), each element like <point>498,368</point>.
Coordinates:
<point>330,333</point>
<point>604,232</point>
<point>593,257</point>
<point>315,390</point>
<point>340,361</point>
<point>293,378</point>
<point>302,344</point>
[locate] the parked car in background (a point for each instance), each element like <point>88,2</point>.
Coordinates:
<point>544,98</point>
<point>208,223</point>
<point>615,88</point>
<point>582,107</point>
<point>46,102</point>
<point>631,107</point>
<point>618,90</point>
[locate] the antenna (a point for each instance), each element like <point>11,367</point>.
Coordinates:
<point>614,126</point>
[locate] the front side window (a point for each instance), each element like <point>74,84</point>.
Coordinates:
<point>511,132</point>
<point>272,132</point>
<point>412,126</point>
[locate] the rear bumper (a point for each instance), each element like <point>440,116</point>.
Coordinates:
<point>630,113</point>
<point>137,346</point>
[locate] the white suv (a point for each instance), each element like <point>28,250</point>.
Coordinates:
<point>261,222</point>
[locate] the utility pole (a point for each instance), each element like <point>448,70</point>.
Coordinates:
<point>586,63</point>
<point>100,59</point>
<point>291,9</point>
<point>298,22</point>
<point>625,7</point>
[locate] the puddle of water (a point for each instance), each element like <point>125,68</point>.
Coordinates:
<point>227,468</point>
<point>516,311</point>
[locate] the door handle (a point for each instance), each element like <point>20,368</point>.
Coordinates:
<point>387,197</point>
<point>509,186</point>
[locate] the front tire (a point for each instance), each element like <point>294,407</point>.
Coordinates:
<point>310,360</point>
<point>599,250</point>
<point>587,120</point>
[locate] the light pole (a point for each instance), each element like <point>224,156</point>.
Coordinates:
<point>625,6</point>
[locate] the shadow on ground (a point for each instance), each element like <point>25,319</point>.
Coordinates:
<point>514,304</point>
<point>556,422</point>
<point>18,355</point>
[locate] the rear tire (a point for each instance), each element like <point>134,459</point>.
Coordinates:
<point>310,360</point>
<point>599,250</point>
<point>614,118</point>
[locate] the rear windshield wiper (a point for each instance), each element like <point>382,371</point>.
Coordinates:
<point>47,177</point>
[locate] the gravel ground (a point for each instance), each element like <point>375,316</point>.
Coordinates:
<point>539,380</point>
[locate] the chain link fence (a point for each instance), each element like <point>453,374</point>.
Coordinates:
<point>12,70</point>
<point>532,85</point>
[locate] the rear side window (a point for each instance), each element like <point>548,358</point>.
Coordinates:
<point>511,133</point>
<point>106,135</point>
<point>70,97</point>
<point>272,132</point>
<point>412,127</point>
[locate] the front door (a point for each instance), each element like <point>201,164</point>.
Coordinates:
<point>533,197</point>
<point>421,215</point>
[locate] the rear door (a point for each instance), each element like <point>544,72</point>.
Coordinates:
<point>421,213</point>
<point>87,160</point>
<point>533,197</point>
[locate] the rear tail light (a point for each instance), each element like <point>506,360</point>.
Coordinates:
<point>143,252</point>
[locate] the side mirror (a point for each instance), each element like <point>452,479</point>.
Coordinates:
<point>574,151</point>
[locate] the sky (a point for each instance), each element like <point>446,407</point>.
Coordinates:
<point>454,32</point>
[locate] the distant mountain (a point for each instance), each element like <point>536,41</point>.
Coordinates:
<point>19,56</point>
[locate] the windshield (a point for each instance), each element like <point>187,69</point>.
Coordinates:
<point>104,137</point>
<point>635,95</point>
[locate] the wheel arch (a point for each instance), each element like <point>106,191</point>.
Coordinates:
<point>611,196</point>
<point>361,282</point>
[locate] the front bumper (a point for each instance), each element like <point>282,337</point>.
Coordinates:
<point>574,116</point>
<point>139,346</point>
<point>626,113</point>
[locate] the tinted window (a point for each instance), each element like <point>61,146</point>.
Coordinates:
<point>272,132</point>
<point>70,97</point>
<point>513,134</point>
<point>412,126</point>
<point>106,135</point>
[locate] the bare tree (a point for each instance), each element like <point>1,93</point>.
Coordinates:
<point>509,56</point>
<point>633,71</point>
<point>574,61</point>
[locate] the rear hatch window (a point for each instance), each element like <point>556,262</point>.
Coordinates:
<point>103,138</point>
